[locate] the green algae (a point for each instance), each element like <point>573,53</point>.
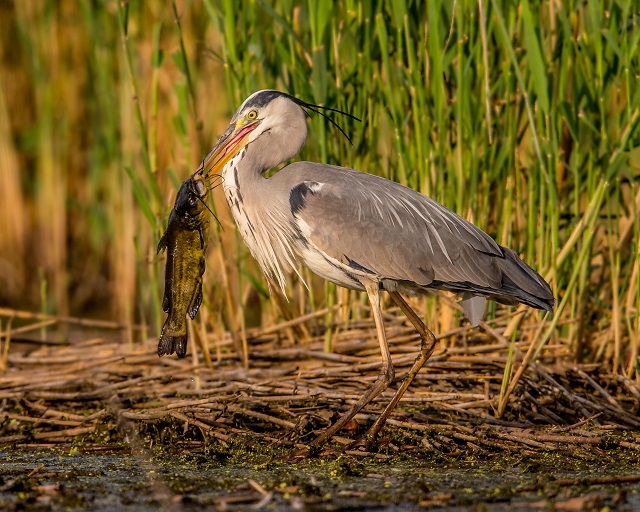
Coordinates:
<point>105,470</point>
<point>212,472</point>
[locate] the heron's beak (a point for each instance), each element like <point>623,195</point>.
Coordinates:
<point>232,141</point>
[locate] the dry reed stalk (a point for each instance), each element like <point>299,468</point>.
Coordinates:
<point>288,385</point>
<point>85,322</point>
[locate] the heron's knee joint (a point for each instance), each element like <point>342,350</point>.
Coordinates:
<point>387,373</point>
<point>427,341</point>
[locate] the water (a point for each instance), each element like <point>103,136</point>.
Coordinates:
<point>117,481</point>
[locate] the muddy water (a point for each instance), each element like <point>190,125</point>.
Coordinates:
<point>118,481</point>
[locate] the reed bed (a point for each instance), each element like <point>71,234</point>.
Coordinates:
<point>94,391</point>
<point>522,117</point>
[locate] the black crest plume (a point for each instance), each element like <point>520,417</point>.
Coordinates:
<point>318,110</point>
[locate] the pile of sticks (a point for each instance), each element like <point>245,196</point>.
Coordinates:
<point>291,389</point>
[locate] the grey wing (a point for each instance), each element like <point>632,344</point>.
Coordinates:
<point>398,235</point>
<point>395,232</point>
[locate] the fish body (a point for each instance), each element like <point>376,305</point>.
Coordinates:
<point>185,241</point>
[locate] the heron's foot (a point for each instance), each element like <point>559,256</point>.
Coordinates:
<point>308,452</point>
<point>367,442</point>
<point>298,455</point>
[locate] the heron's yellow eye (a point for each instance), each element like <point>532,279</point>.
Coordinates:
<point>251,115</point>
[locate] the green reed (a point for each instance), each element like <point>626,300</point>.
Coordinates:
<point>560,100</point>
<point>513,117</point>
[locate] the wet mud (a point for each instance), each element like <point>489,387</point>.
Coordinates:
<point>244,476</point>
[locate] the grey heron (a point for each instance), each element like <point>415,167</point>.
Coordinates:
<point>357,230</point>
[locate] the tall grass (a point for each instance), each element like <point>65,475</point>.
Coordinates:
<point>93,127</point>
<point>522,117</point>
<point>526,130</point>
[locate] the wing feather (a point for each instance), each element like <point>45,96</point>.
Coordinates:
<point>401,236</point>
<point>394,231</point>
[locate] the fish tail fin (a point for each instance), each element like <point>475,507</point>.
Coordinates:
<point>170,343</point>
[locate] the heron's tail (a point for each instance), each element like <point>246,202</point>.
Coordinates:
<point>520,283</point>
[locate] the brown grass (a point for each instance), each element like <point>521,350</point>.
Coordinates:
<point>292,390</point>
<point>82,101</point>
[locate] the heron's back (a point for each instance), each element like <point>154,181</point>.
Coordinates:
<point>359,224</point>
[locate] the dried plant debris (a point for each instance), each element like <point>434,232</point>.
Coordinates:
<point>184,433</point>
<point>291,389</point>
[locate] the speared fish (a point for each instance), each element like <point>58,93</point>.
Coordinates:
<point>185,240</point>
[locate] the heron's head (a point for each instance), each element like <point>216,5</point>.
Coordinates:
<point>274,118</point>
<point>274,121</point>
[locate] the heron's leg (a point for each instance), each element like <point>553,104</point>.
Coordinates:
<point>384,377</point>
<point>427,344</point>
